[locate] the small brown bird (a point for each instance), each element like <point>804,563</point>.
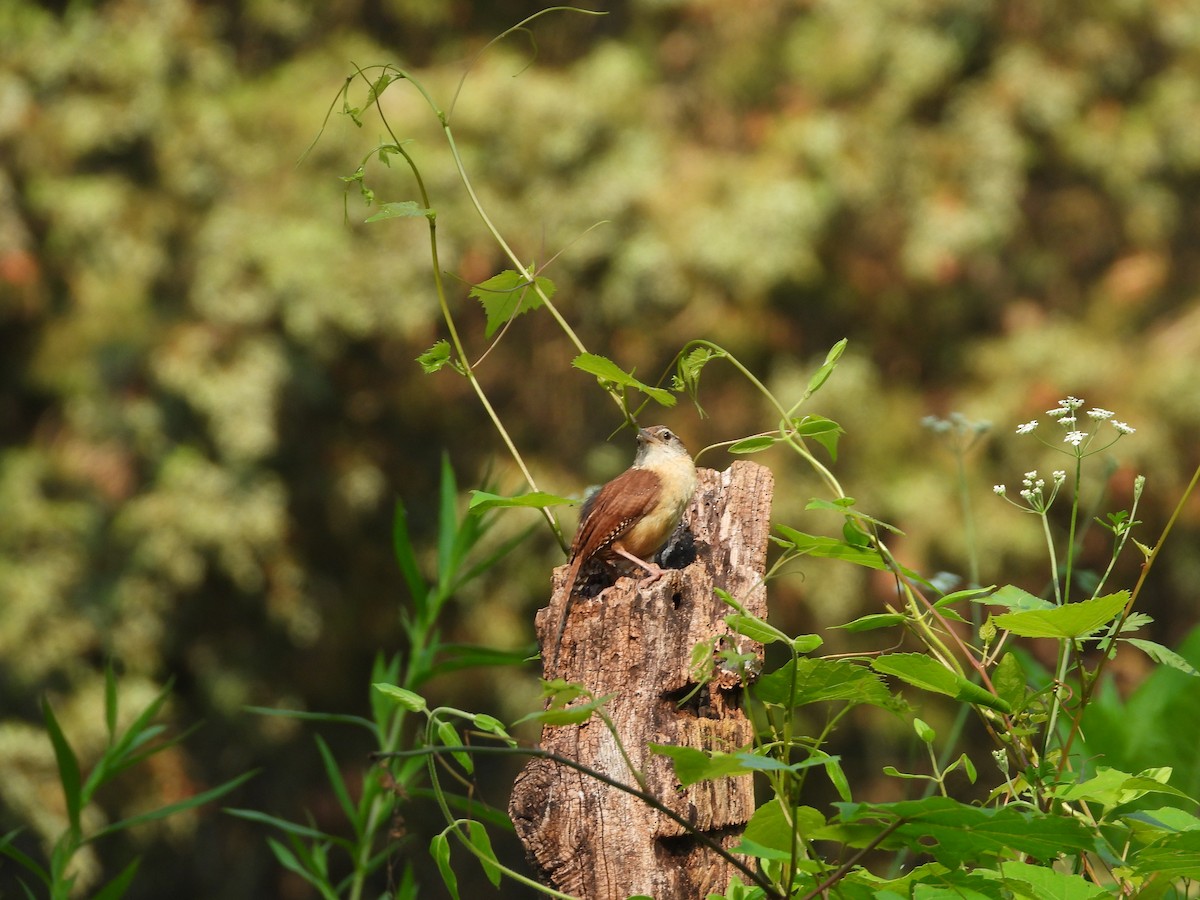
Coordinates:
<point>633,515</point>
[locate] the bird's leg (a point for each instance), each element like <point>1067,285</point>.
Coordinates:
<point>653,570</point>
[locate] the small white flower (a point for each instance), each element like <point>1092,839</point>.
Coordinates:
<point>1098,413</point>
<point>1122,427</point>
<point>1029,476</point>
<point>1027,427</point>
<point>1059,477</point>
<point>999,489</point>
<point>1058,411</point>
<point>1071,403</point>
<point>1075,437</point>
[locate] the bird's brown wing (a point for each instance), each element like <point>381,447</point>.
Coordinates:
<point>615,507</point>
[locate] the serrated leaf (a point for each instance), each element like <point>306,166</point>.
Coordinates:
<point>956,834</point>
<point>435,358</point>
<point>1163,655</point>
<point>609,372</point>
<point>1174,856</point>
<point>508,295</point>
<point>1012,597</point>
<point>1046,883</point>
<point>1072,620</point>
<point>930,675</point>
<point>398,210</point>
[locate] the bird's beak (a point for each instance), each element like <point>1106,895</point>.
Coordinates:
<point>644,437</point>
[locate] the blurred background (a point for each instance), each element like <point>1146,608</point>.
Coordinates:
<point>210,397</point>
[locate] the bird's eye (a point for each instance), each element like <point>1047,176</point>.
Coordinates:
<point>667,434</point>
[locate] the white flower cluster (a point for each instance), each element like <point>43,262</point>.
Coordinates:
<point>1033,490</point>
<point>1066,414</point>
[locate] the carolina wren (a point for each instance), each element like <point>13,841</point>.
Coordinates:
<point>633,515</point>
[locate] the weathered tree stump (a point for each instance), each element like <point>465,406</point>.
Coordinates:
<point>598,842</point>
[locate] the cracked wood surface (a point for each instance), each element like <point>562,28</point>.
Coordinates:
<point>595,841</point>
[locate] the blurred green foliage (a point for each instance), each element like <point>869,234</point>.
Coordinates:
<point>210,398</point>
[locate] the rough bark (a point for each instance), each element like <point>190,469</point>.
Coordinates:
<point>634,640</point>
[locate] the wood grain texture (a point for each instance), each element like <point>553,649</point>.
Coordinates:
<point>594,841</point>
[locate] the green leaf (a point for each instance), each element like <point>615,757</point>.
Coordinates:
<point>411,701</point>
<point>930,675</point>
<point>806,643</point>
<point>803,681</point>
<point>68,767</point>
<point>508,295</point>
<point>830,548</point>
<point>1046,883</point>
<point>1009,681</point>
<point>926,734</point>
<point>1012,597</point>
<point>289,861</point>
<point>435,358</point>
<point>756,629</point>
<point>566,715</point>
<point>116,888</point>
<point>692,765</point>
<point>825,432</point>
<point>439,847</point>
<point>483,500</point>
<point>492,725</point>
<point>171,809</point>
<point>406,558</point>
<point>754,444</point>
<point>770,825</point>
<point>972,594</point>
<point>1174,856</point>
<point>487,856</point>
<point>333,774</point>
<point>822,374</point>
<point>23,860</point>
<point>287,827</point>
<point>448,735</point>
<point>957,833</point>
<point>1112,787</point>
<point>1163,655</point>
<point>873,621</point>
<point>1072,620</point>
<point>400,209</point>
<point>609,373</point>
<point>110,702</point>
